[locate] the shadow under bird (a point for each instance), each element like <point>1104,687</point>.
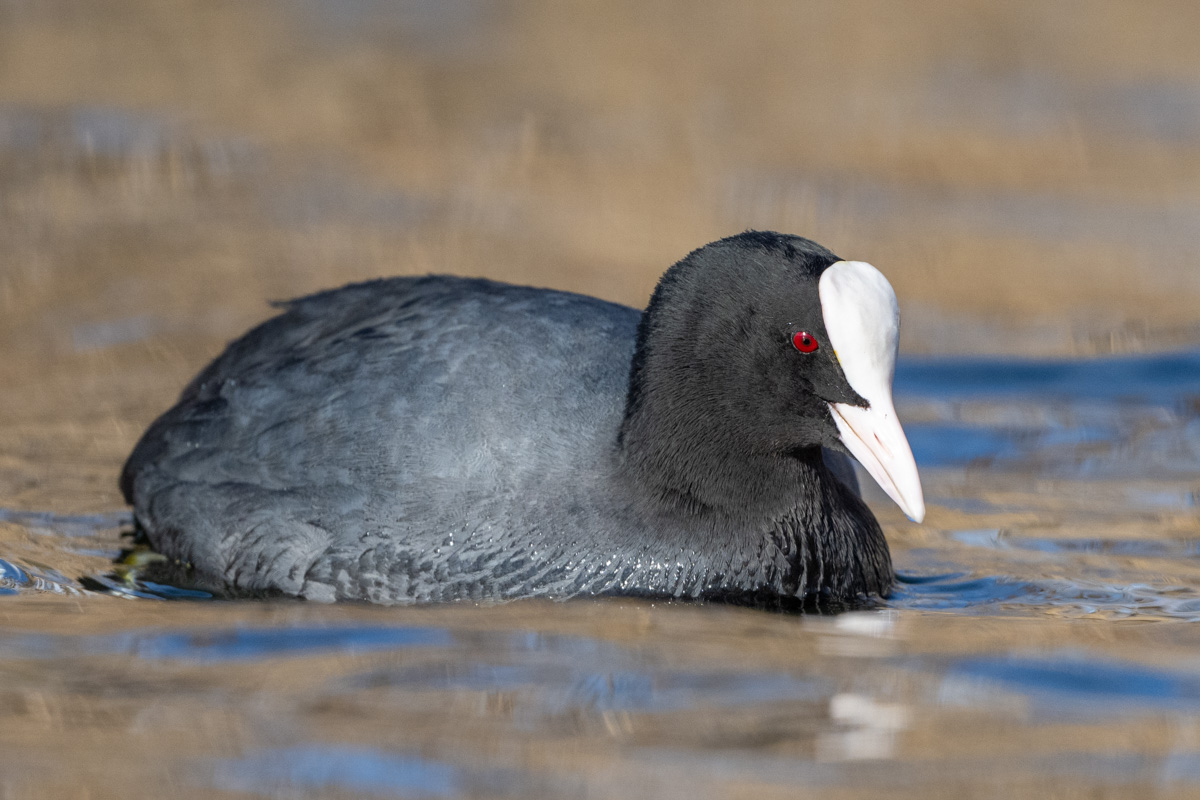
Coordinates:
<point>418,440</point>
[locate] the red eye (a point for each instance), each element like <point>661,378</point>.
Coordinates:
<point>805,342</point>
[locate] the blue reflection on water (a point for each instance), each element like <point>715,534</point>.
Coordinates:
<point>936,445</point>
<point>1161,379</point>
<point>1073,418</point>
<point>236,644</point>
<point>15,579</point>
<point>12,574</point>
<point>243,644</point>
<point>337,767</point>
<point>1138,548</point>
<point>1078,679</point>
<point>962,591</point>
<point>947,445</point>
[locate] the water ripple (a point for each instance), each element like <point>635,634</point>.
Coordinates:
<point>226,645</point>
<point>1075,681</point>
<point>966,592</point>
<point>15,579</point>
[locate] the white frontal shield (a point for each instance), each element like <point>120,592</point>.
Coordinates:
<point>863,321</point>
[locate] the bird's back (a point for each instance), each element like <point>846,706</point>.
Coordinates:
<point>401,412</point>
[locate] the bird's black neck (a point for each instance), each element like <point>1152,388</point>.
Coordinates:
<point>695,467</point>
<point>814,539</point>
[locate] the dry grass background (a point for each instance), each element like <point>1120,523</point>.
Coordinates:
<point>1027,173</point>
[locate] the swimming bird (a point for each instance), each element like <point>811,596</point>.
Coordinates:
<point>427,439</point>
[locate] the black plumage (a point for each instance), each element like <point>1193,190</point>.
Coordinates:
<point>438,438</point>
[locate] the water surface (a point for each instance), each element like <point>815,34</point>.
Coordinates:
<point>1029,638</point>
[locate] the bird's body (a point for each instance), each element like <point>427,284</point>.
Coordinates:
<point>434,439</point>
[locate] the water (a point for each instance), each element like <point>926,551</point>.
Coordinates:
<point>1024,173</point>
<point>1021,614</point>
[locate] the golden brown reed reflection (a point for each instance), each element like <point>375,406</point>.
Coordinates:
<point>1026,173</point>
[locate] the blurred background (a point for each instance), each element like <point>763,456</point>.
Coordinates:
<point>1027,174</point>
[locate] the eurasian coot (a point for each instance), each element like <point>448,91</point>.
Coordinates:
<point>415,440</point>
